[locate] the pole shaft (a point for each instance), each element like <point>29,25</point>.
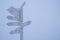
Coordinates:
<point>21,21</point>
<point>21,34</point>
<point>21,24</point>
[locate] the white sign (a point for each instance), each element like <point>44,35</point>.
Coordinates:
<point>12,18</point>
<point>13,23</point>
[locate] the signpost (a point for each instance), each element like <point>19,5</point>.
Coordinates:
<point>18,17</point>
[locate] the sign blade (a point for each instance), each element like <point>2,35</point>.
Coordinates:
<point>11,18</point>
<point>14,11</point>
<point>13,24</point>
<point>17,30</point>
<point>27,23</point>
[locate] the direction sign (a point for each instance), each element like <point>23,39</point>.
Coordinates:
<point>26,23</point>
<point>17,30</point>
<point>12,18</point>
<point>15,11</point>
<point>13,24</point>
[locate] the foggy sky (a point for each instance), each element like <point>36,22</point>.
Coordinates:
<point>44,14</point>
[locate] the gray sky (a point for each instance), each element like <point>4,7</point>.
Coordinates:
<point>44,15</point>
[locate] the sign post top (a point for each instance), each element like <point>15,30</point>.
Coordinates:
<point>23,4</point>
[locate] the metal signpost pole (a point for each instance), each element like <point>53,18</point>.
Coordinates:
<point>18,18</point>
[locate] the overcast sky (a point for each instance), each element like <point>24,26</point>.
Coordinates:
<point>44,14</point>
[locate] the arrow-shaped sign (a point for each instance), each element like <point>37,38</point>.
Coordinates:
<point>26,23</point>
<point>17,30</point>
<point>13,24</point>
<point>12,18</point>
<point>13,11</point>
